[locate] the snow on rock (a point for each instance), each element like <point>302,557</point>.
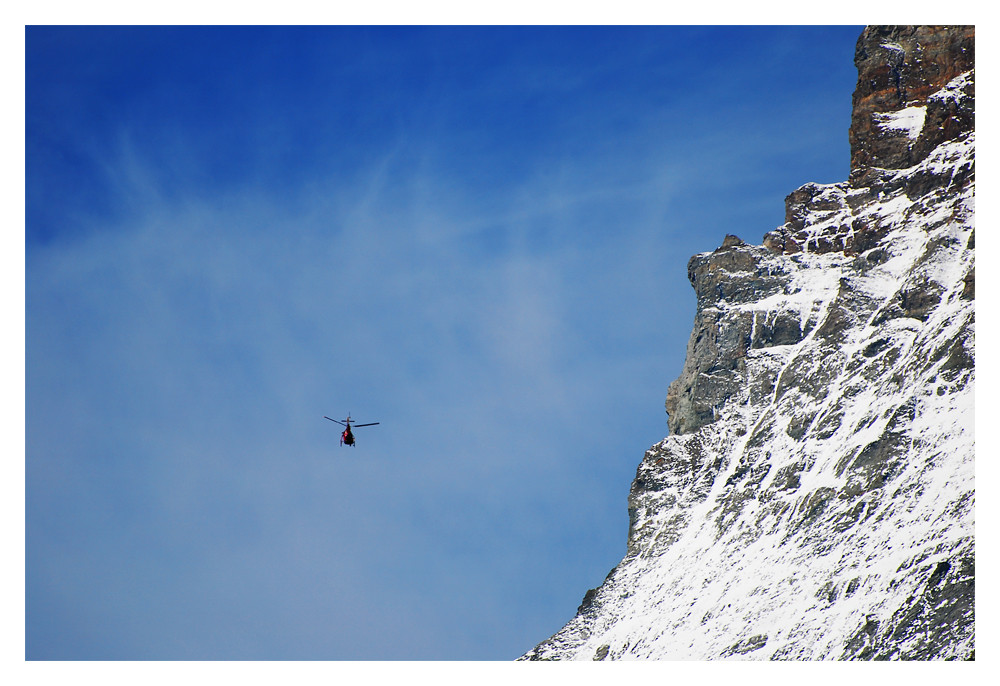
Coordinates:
<point>955,90</point>
<point>815,499</point>
<point>909,120</point>
<point>901,69</point>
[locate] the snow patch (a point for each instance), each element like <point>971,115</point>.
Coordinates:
<point>892,47</point>
<point>954,90</point>
<point>909,120</point>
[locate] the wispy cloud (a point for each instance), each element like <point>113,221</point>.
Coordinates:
<point>187,355</point>
<point>496,276</point>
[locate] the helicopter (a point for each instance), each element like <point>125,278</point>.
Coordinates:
<point>346,437</point>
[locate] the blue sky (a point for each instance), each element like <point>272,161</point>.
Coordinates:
<point>476,236</point>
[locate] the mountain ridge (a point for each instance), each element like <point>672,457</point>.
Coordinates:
<point>815,496</point>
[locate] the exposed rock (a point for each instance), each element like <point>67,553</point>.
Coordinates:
<point>747,645</point>
<point>732,275</point>
<point>895,121</point>
<point>915,91</point>
<point>731,241</point>
<point>928,628</point>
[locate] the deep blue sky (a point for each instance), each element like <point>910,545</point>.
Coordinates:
<point>476,236</point>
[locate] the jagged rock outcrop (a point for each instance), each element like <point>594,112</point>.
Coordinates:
<point>815,497</point>
<point>895,122</point>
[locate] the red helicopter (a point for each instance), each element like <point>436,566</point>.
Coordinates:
<point>346,437</point>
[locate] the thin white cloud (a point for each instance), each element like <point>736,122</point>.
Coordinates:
<point>510,327</point>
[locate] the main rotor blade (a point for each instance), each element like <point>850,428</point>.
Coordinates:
<point>335,420</point>
<point>372,424</point>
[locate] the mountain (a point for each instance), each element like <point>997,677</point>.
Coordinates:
<point>815,497</point>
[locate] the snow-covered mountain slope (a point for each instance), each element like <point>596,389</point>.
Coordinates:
<point>815,499</point>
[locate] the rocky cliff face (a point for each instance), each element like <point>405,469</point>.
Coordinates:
<point>815,497</point>
<point>895,122</point>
